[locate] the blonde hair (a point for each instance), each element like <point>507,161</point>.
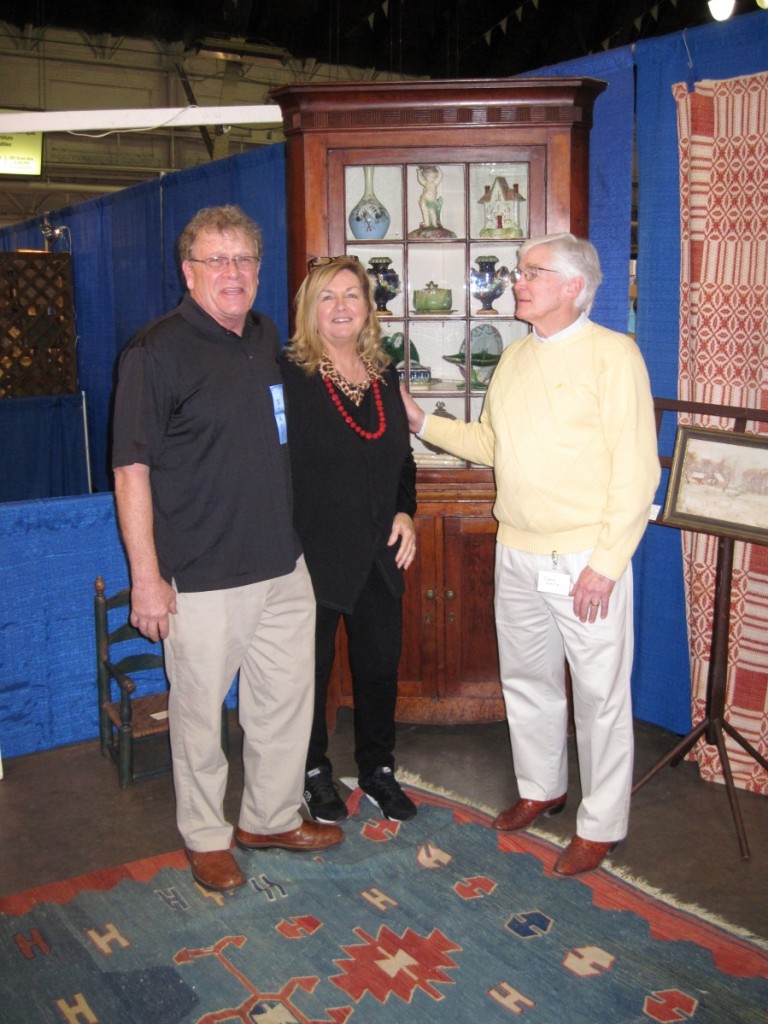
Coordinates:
<point>305,348</point>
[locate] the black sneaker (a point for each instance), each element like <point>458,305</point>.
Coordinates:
<point>322,797</point>
<point>382,788</point>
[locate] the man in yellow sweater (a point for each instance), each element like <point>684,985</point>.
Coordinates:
<point>568,428</point>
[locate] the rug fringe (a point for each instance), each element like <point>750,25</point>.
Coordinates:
<point>414,780</point>
<point>690,908</point>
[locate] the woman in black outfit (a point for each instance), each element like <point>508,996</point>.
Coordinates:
<point>354,481</point>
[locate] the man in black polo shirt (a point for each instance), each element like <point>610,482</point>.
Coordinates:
<point>203,490</point>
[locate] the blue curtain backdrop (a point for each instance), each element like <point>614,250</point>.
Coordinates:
<point>26,235</point>
<point>610,174</point>
<point>50,431</point>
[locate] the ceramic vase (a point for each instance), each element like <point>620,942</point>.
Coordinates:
<point>386,283</point>
<point>369,218</point>
<point>487,283</point>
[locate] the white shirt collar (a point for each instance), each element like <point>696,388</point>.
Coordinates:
<point>577,324</point>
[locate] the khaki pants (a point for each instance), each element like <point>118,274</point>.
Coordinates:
<point>266,631</point>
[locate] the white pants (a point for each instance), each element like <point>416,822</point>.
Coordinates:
<point>266,631</point>
<point>536,633</point>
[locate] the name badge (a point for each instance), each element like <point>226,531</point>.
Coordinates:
<point>553,582</point>
<point>278,405</point>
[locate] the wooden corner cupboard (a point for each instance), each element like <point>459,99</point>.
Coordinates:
<point>434,185</point>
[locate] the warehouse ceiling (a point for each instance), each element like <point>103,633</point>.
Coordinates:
<point>432,38</point>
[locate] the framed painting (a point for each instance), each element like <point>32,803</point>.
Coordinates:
<point>718,484</point>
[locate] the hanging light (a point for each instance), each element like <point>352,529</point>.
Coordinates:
<point>763,4</point>
<point>721,10</point>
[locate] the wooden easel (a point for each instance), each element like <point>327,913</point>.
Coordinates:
<point>713,725</point>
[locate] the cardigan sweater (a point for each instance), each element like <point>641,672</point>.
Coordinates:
<point>347,490</point>
<point>569,429</point>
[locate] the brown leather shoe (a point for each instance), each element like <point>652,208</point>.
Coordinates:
<point>309,836</point>
<point>215,869</point>
<point>582,855</point>
<point>525,812</point>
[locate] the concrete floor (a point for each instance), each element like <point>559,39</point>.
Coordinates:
<point>62,814</point>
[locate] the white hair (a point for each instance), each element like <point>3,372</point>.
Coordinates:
<point>572,257</point>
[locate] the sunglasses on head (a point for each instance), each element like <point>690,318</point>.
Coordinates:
<point>324,261</point>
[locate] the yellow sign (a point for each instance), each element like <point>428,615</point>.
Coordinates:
<point>21,153</point>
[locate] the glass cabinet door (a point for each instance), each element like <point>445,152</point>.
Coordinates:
<point>439,238</point>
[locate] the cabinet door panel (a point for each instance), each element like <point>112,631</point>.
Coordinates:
<point>417,675</point>
<point>471,664</point>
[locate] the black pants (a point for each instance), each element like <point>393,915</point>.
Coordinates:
<point>374,631</point>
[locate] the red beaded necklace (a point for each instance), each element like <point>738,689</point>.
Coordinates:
<point>366,434</point>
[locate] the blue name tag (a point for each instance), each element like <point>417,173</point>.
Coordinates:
<point>278,404</point>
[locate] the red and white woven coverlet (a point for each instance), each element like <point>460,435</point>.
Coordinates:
<point>723,143</point>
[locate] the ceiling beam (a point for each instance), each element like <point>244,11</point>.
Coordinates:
<point>136,119</point>
<point>190,94</point>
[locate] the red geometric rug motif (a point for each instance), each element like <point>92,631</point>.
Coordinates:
<point>435,919</point>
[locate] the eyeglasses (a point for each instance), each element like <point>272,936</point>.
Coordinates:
<point>223,262</point>
<point>323,261</point>
<point>530,273</point>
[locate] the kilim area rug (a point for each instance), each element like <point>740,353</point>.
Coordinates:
<point>436,919</point>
